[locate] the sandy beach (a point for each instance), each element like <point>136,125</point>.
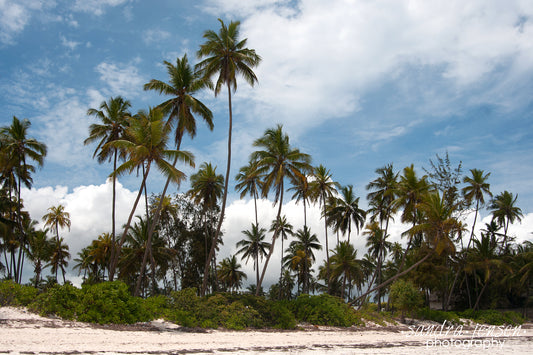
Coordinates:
<point>22,332</point>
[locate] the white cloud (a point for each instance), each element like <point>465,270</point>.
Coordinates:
<point>121,79</point>
<point>69,44</point>
<point>96,7</point>
<point>14,16</point>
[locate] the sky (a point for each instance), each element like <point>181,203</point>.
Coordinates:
<point>355,84</point>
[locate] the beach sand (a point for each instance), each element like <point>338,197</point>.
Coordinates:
<point>22,332</point>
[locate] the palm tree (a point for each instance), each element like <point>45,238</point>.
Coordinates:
<point>254,246</point>
<point>345,211</point>
<point>59,258</point>
<point>249,182</point>
<point>476,190</point>
<point>17,149</point>
<point>344,263</point>
<point>302,192</point>
<point>230,274</point>
<point>277,161</point>
<point>57,218</point>
<point>181,108</point>
<point>226,56</point>
<point>382,195</point>
<point>147,142</point>
<point>505,212</point>
<point>378,246</point>
<point>38,251</point>
<point>322,188</point>
<point>113,116</point>
<point>410,192</point>
<point>282,228</point>
<point>306,242</point>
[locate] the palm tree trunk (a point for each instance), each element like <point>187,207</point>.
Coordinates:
<point>224,197</point>
<point>127,226</point>
<point>255,205</point>
<point>274,237</point>
<point>327,246</point>
<point>113,207</point>
<point>480,294</point>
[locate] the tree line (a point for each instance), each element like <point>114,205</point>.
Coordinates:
<point>174,244</point>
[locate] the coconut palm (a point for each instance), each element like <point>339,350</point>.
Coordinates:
<point>147,141</point>
<point>59,257</point>
<point>57,218</point>
<point>229,273</point>
<point>113,116</point>
<point>307,243</point>
<point>345,211</point>
<point>278,161</point>
<point>302,192</point>
<point>39,250</point>
<point>382,196</point>
<point>282,228</point>
<point>254,246</point>
<point>17,151</point>
<point>322,188</point>
<point>225,56</point>
<point>344,263</point>
<point>504,212</point>
<point>476,190</point>
<point>378,246</point>
<point>249,183</point>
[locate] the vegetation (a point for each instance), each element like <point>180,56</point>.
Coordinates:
<point>168,254</point>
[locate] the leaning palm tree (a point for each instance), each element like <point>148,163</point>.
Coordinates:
<point>57,218</point>
<point>147,141</point>
<point>278,161</point>
<point>322,189</point>
<point>505,212</point>
<point>254,246</point>
<point>181,108</point>
<point>17,150</point>
<point>476,190</point>
<point>225,56</point>
<point>113,116</point>
<point>249,182</point>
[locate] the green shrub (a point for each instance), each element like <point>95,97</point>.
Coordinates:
<point>111,302</point>
<point>323,310</point>
<point>279,316</point>
<point>438,316</point>
<point>157,306</point>
<point>493,317</point>
<point>13,294</point>
<point>59,300</point>
<point>404,296</point>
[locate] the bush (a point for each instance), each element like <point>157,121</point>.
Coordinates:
<point>111,302</point>
<point>13,294</point>
<point>405,296</point>
<point>438,316</point>
<point>493,317</point>
<point>59,300</point>
<point>280,317</point>
<point>323,310</point>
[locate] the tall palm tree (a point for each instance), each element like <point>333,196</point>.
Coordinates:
<point>254,246</point>
<point>57,218</point>
<point>278,161</point>
<point>344,263</point>
<point>306,242</point>
<point>249,182</point>
<point>378,246</point>
<point>230,274</point>
<point>476,190</point>
<point>225,56</point>
<point>382,195</point>
<point>322,188</point>
<point>114,120</point>
<point>17,150</point>
<point>505,212</point>
<point>183,84</point>
<point>147,141</point>
<point>345,211</point>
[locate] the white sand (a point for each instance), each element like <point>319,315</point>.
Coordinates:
<point>24,332</point>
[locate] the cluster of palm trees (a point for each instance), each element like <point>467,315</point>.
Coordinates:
<point>175,243</point>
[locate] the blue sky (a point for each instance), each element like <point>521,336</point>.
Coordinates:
<point>356,84</point>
